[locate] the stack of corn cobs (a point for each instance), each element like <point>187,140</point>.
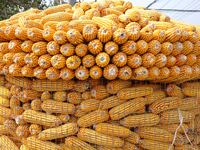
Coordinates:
<point>43,108</point>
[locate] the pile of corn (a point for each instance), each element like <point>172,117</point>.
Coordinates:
<point>98,115</point>
<point>110,39</point>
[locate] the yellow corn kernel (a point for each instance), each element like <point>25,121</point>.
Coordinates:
<point>37,144</point>
<point>93,118</point>
<point>7,144</point>
<point>91,136</point>
<point>75,143</point>
<point>112,130</point>
<point>126,108</point>
<point>52,106</point>
<point>58,132</point>
<point>140,120</point>
<point>165,104</point>
<point>157,134</point>
<point>41,118</point>
<point>151,145</point>
<point>133,138</point>
<point>89,105</point>
<point>172,116</point>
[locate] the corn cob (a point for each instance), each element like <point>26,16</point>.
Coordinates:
<point>9,32</point>
<point>191,91</point>
<point>5,112</point>
<point>37,144</point>
<point>24,147</point>
<point>126,108</point>
<point>104,22</point>
<point>89,105</point>
<point>140,120</point>
<point>165,104</point>
<point>112,130</point>
<point>99,92</point>
<point>133,138</point>
<point>34,34</point>
<point>130,93</point>
<point>58,132</point>
<point>102,59</point>
<point>57,107</point>
<point>172,116</point>
<point>81,50</point>
<point>40,118</point>
<point>74,97</point>
<point>76,144</point>
<point>190,103</point>
<point>174,90</point>
<point>120,36</point>
<point>92,118</point>
<point>7,144</point>
<point>4,92</point>
<point>172,128</point>
<point>35,129</point>
<point>91,136</point>
<point>82,73</point>
<point>96,72</point>
<point>157,134</point>
<point>151,145</point>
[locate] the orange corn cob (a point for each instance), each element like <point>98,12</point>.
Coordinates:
<point>58,61</point>
<point>78,12</point>
<point>56,9</point>
<point>66,74</point>
<point>126,108</point>
<point>89,105</point>
<point>21,33</point>
<point>114,86</point>
<point>5,102</point>
<point>172,128</point>
<point>196,47</point>
<point>94,137</point>
<point>74,36</point>
<point>108,11</point>
<point>50,24</point>
<point>2,120</point>
<point>172,61</point>
<point>18,58</point>
<point>59,96</point>
<point>161,60</point>
<point>129,47</point>
<point>44,61</point>
<point>74,97</point>
<point>111,48</point>
<point>172,116</point>
<point>4,130</point>
<point>154,47</point>
<point>7,143</point>
<point>58,132</point>
<point>88,61</point>
<point>187,47</point>
<point>48,34</point>
<point>133,138</point>
<point>104,22</point>
<point>167,48</point>
<point>26,46</point>
<point>148,60</point>
<point>82,73</point>
<point>58,107</point>
<point>67,49</point>
<point>63,25</point>
<point>40,118</point>
<point>81,50</point>
<point>89,32</point>
<point>174,90</point>
<point>191,59</point>
<point>146,34</point>
<point>36,104</point>
<point>60,37</point>
<point>140,120</point>
<point>99,92</point>
<point>191,91</point>
<point>34,34</point>
<point>52,73</point>
<point>92,118</point>
<point>120,36</point>
<point>22,131</point>
<point>177,48</point>
<point>96,72</point>
<point>110,72</point>
<point>193,37</point>
<point>119,59</point>
<point>14,46</point>
<point>9,32</point>
<point>134,15</point>
<point>37,144</point>
<point>190,103</point>
<point>159,35</point>
<point>104,34</point>
<point>173,34</point>
<point>95,47</point>
<point>14,70</point>
<point>39,73</point>
<point>134,61</point>
<point>112,130</point>
<point>39,48</point>
<point>35,129</point>
<point>53,48</point>
<point>142,47</point>
<point>23,22</point>
<point>79,113</point>
<point>125,73</point>
<point>4,47</point>
<point>102,59</point>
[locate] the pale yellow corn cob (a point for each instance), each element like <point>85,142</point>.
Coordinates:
<point>155,96</point>
<point>36,144</point>
<point>4,91</point>
<point>108,148</point>
<point>112,130</point>
<point>91,136</point>
<point>5,112</point>
<point>172,116</point>
<point>7,144</point>
<point>77,13</point>
<point>165,104</point>
<point>89,105</point>
<point>58,132</point>
<point>126,108</point>
<point>2,119</point>
<point>162,25</point>
<point>191,91</point>
<point>155,145</point>
<point>190,103</point>
<point>172,128</point>
<point>114,86</point>
<point>59,16</point>
<point>104,22</point>
<point>129,146</point>
<point>157,134</point>
<point>4,130</point>
<point>92,118</point>
<point>133,138</point>
<point>56,9</point>
<point>47,85</point>
<point>140,120</point>
<point>4,101</point>
<point>41,118</point>
<point>77,144</point>
<point>52,106</point>
<point>24,147</point>
<point>110,102</point>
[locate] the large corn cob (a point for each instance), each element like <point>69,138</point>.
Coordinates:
<point>190,103</point>
<point>155,96</point>
<point>7,144</point>
<point>52,106</point>
<point>40,118</point>
<point>140,120</point>
<point>126,108</point>
<point>93,118</point>
<point>112,130</point>
<point>58,132</point>
<point>94,137</point>
<point>114,86</point>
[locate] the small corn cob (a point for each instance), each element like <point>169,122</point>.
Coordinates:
<point>82,73</point>
<point>91,136</point>
<point>39,73</point>
<point>104,34</point>
<point>129,47</point>
<point>37,144</point>
<point>35,34</point>
<point>14,46</point>
<point>58,61</point>
<point>157,134</point>
<point>146,34</point>
<point>112,130</point>
<point>166,48</point>
<point>95,47</point>
<point>140,120</point>
<point>89,105</point>
<point>120,36</point>
<point>60,37</point>
<point>111,48</point>
<point>189,103</point>
<point>39,48</point>
<point>81,86</point>
<point>67,49</point>
<point>9,32</point>
<point>89,32</point>
<point>125,73</point>
<point>4,130</point>
<point>36,104</point>
<point>79,112</point>
<point>148,60</point>
<point>134,61</point>
<point>2,120</point>
<point>96,72</point>
<point>130,93</point>
<point>44,61</point>
<point>102,59</point>
<point>151,144</point>
<point>165,104</point>
<point>110,102</point>
<point>119,59</point>
<point>76,143</point>
<point>22,131</point>
<point>35,129</point>
<point>40,118</point>
<point>92,118</point>
<point>48,34</point>
<point>66,74</point>
<point>52,73</point>
<point>74,36</point>
<point>50,24</point>
<point>126,108</point>
<point>7,144</point>
<point>142,47</point>
<point>4,47</point>
<point>73,62</point>
<point>88,61</point>
<point>81,50</point>
<point>172,116</point>
<point>58,132</point>
<point>187,47</point>
<point>172,128</point>
<point>52,106</point>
